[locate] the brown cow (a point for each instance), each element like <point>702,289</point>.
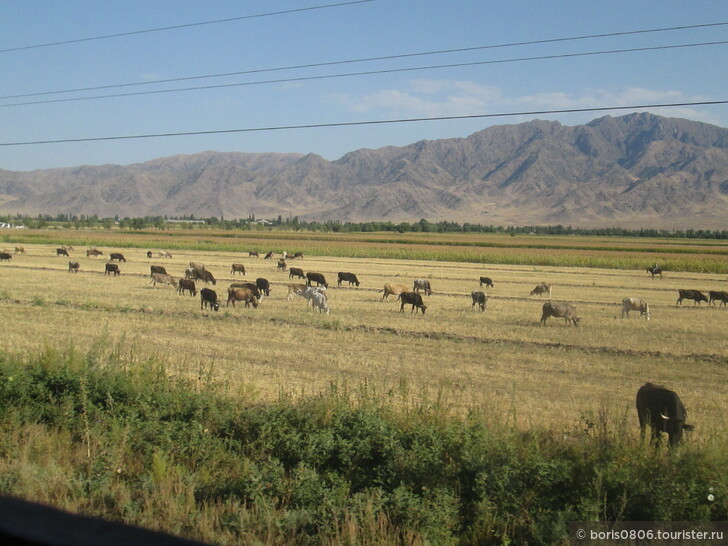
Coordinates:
<point>92,253</point>
<point>393,290</point>
<point>296,272</point>
<point>186,284</point>
<point>480,299</point>
<point>281,265</point>
<point>19,250</point>
<point>112,268</point>
<point>162,278</point>
<point>61,252</point>
<point>718,295</point>
<point>295,290</point>
<point>238,268</point>
<point>542,289</point>
<point>203,275</point>
<point>696,295</point>
<point>561,310</point>
<point>252,253</point>
<point>411,298</point>
<point>73,267</point>
<point>241,294</point>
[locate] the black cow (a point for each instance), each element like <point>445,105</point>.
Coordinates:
<point>696,295</point>
<point>318,278</point>
<point>269,255</point>
<point>663,411</point>
<point>149,253</point>
<point>716,295</point>
<point>263,285</point>
<point>480,299</point>
<point>208,296</point>
<point>411,298</point>
<point>655,270</point>
<point>298,255</point>
<point>561,310</point>
<point>348,277</point>
<point>61,252</point>
<point>252,253</point>
<point>112,268</point>
<point>117,256</point>
<point>157,269</point>
<point>186,284</point>
<point>203,275</point>
<point>296,272</point>
<point>487,281</point>
<point>73,267</point>
<point>5,257</point>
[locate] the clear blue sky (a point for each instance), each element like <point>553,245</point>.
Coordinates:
<point>371,29</point>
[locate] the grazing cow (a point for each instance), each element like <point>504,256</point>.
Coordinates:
<point>696,295</point>
<point>263,285</point>
<point>73,267</point>
<point>663,411</point>
<point>269,255</point>
<point>295,290</point>
<point>186,284</point>
<point>298,255</point>
<point>252,253</point>
<point>655,270</point>
<point>196,265</point>
<point>19,250</point>
<point>62,252</point>
<point>203,275</point>
<point>281,265</point>
<point>318,278</point>
<point>309,292</point>
<point>393,290</point>
<point>238,268</point>
<point>422,284</point>
<point>296,272</point>
<point>561,310</point>
<point>163,278</point>
<point>92,252</point>
<point>149,254</point>
<point>717,295</point>
<point>412,298</point>
<point>5,257</point>
<point>117,256</point>
<point>112,268</point>
<point>157,269</point>
<point>348,277</point>
<point>541,289</point>
<point>636,304</point>
<point>480,299</point>
<point>250,286</point>
<point>190,273</point>
<point>319,303</point>
<point>209,297</point>
<point>487,281</point>
<point>165,254</point>
<point>241,294</point>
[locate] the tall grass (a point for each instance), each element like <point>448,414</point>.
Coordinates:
<point>106,433</point>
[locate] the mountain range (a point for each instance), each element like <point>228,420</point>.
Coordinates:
<point>638,170</point>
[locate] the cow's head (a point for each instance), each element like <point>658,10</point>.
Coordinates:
<point>674,427</point>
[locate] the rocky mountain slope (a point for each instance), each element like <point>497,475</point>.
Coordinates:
<point>635,170</point>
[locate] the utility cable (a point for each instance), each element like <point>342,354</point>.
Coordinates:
<point>362,123</point>
<point>365,73</point>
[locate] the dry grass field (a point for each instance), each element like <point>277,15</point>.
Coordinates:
<point>502,360</point>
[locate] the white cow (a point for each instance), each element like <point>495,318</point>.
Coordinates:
<point>310,292</point>
<point>635,304</point>
<point>319,302</point>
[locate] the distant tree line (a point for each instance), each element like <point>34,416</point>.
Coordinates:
<point>333,226</point>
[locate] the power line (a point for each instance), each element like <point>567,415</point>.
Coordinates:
<point>187,25</point>
<point>364,73</point>
<point>367,59</point>
<point>362,123</point>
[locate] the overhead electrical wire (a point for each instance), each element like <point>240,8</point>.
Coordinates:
<point>362,123</point>
<point>368,59</point>
<point>186,25</point>
<point>363,73</point>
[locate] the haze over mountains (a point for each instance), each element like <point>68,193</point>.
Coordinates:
<point>638,170</point>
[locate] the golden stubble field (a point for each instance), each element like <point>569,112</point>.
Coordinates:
<point>502,360</point>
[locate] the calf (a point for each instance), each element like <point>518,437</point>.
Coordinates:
<point>186,284</point>
<point>542,289</point>
<point>241,294</point>
<point>62,252</point>
<point>635,304</point>
<point>295,290</point>
<point>348,277</point>
<point>296,272</point>
<point>163,278</point>
<point>720,296</point>
<point>92,252</point>
<point>318,278</point>
<point>480,299</point>
<point>487,281</point>
<point>5,257</point>
<point>422,284</point>
<point>112,268</point>
<point>393,290</point>
<point>209,297</point>
<point>203,275</point>
<point>561,310</point>
<point>73,267</point>
<point>117,256</point>
<point>696,295</point>
<point>238,268</point>
<point>319,303</point>
<point>157,269</point>
<point>411,298</point>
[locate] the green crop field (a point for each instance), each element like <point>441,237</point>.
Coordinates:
<point>502,363</point>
